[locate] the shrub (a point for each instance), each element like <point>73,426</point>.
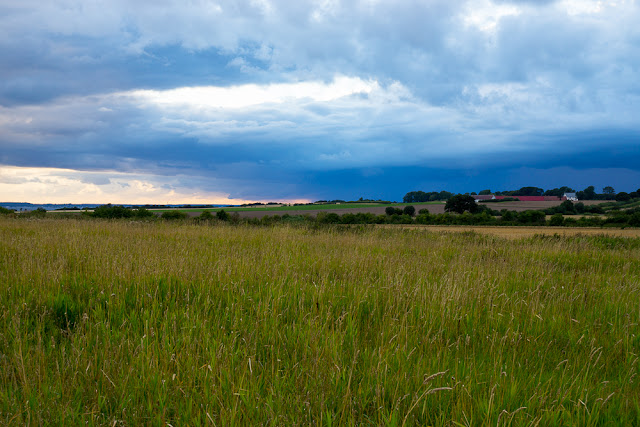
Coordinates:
<point>556,220</point>
<point>36,213</point>
<point>567,207</point>
<point>348,218</point>
<point>424,218</point>
<point>171,215</point>
<point>409,210</point>
<point>206,216</point>
<point>531,217</point>
<point>110,211</point>
<point>142,213</point>
<point>224,216</point>
<point>328,218</point>
<point>5,211</point>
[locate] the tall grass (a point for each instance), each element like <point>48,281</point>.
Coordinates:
<point>153,323</point>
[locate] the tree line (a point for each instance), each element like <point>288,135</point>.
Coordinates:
<point>589,193</point>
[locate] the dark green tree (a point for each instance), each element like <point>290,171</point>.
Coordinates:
<point>110,211</point>
<point>223,216</point>
<point>461,203</point>
<point>556,220</point>
<point>559,192</point>
<point>622,197</point>
<point>567,207</point>
<point>409,210</point>
<point>206,216</point>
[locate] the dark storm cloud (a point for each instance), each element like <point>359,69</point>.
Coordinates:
<point>441,88</point>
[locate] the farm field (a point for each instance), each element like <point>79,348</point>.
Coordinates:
<point>432,207</point>
<point>341,209</point>
<point>128,323</point>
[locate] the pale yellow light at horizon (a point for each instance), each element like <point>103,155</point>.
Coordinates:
<point>61,186</point>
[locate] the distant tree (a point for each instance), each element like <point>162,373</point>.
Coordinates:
<point>608,190</point>
<point>588,193</point>
<point>416,197</point>
<point>559,192</point>
<point>622,197</point>
<point>461,203</point>
<point>409,210</point>
<point>444,195</point>
<point>390,210</point>
<point>527,191</point>
<point>484,192</point>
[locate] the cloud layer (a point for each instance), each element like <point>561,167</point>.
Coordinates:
<point>281,100</point>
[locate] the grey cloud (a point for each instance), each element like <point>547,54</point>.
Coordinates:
<point>470,90</point>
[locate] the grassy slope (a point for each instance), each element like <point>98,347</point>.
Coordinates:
<point>191,324</point>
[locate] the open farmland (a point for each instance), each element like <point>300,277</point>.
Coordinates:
<point>432,207</point>
<point>120,322</point>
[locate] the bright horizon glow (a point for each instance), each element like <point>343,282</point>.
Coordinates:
<point>59,186</point>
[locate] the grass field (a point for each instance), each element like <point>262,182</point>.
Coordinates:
<point>521,232</point>
<point>125,323</point>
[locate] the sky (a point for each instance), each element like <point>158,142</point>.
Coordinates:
<point>163,101</point>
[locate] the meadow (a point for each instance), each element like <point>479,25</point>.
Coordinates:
<point>131,322</point>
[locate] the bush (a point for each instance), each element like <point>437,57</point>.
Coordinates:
<point>171,215</point>
<point>205,216</point>
<point>531,217</point>
<point>110,211</point>
<point>409,210</point>
<point>224,216</point>
<point>142,213</point>
<point>390,210</point>
<point>556,220</point>
<point>36,213</point>
<point>328,218</point>
<point>348,218</point>
<point>5,211</point>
